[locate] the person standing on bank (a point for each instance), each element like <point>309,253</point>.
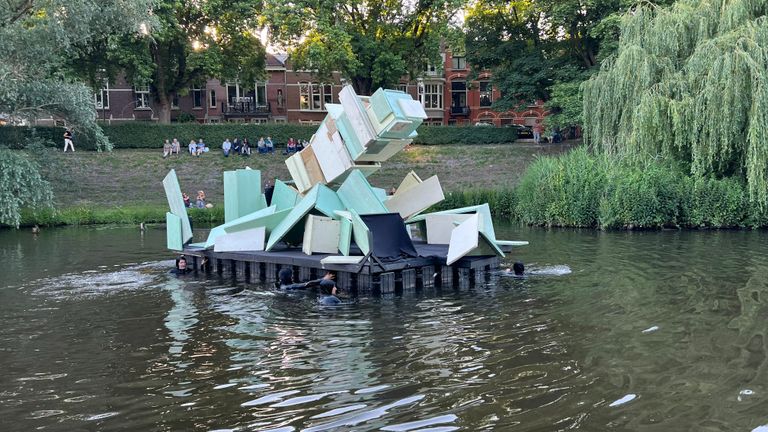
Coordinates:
<point>68,140</point>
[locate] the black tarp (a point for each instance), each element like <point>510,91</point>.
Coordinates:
<point>390,238</point>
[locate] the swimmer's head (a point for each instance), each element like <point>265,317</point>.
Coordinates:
<point>518,268</point>
<point>286,276</point>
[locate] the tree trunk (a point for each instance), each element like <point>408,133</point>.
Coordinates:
<point>161,88</point>
<point>164,111</point>
<point>362,85</point>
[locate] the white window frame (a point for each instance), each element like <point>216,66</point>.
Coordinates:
<point>142,97</point>
<point>314,96</point>
<point>433,93</point>
<point>101,96</point>
<point>200,93</point>
<point>403,88</point>
<point>458,63</point>
<point>212,98</point>
<point>260,85</point>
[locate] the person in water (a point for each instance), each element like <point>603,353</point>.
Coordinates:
<point>181,266</point>
<point>328,290</point>
<point>518,269</point>
<point>286,281</point>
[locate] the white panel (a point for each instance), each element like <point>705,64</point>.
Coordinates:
<point>412,108</point>
<point>321,235</point>
<point>440,227</point>
<point>357,116</point>
<point>339,259</point>
<point>241,241</point>
<point>332,156</point>
<point>416,199</point>
<point>464,239</point>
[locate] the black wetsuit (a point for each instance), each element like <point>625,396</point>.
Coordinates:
<point>179,272</point>
<point>329,300</point>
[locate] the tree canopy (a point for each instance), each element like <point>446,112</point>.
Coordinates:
<point>688,82</point>
<point>372,42</point>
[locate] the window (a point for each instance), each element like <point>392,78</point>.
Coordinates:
<point>486,94</point>
<point>458,94</point>
<point>142,97</point>
<point>261,94</point>
<point>458,63</point>
<point>197,98</point>
<point>433,96</point>
<point>101,97</point>
<point>313,96</point>
<point>430,69</point>
<point>403,88</point>
<point>175,102</point>
<point>212,98</point>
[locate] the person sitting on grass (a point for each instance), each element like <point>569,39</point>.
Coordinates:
<point>166,148</point>
<point>200,202</point>
<point>236,146</point>
<point>261,146</point>
<point>226,146</point>
<point>192,147</point>
<point>185,197</point>
<point>246,149</point>
<point>270,145</point>
<point>290,146</point>
<point>175,146</point>
<point>200,147</point>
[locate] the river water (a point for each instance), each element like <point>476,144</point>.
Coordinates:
<point>648,331</point>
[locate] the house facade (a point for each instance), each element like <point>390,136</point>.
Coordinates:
<point>288,95</point>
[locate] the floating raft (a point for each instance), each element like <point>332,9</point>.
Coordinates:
<point>369,277</point>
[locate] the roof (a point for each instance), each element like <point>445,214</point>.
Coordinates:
<point>276,60</point>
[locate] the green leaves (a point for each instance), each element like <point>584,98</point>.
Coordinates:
<point>20,187</point>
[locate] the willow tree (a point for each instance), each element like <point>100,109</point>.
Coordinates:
<point>688,82</point>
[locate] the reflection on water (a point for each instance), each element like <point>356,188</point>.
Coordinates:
<point>610,331</point>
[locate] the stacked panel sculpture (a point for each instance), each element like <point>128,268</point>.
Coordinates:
<point>325,207</point>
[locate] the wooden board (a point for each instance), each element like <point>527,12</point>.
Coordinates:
<point>331,154</point>
<point>314,171</point>
<point>417,198</point>
<point>284,196</point>
<point>176,204</point>
<point>464,239</point>
<point>410,180</point>
<point>242,241</point>
<point>356,193</point>
<point>357,116</point>
<point>298,172</point>
<point>321,235</point>
<point>345,236</point>
<point>440,227</point>
<point>360,233</point>
<point>320,198</point>
<point>173,232</point>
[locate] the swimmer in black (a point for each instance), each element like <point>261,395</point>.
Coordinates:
<point>518,270</point>
<point>287,283</point>
<point>181,266</point>
<point>328,291</point>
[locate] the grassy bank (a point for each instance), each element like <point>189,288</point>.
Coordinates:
<point>125,186</point>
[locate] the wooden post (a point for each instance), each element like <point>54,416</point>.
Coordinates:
<point>219,267</point>
<point>446,277</point>
<point>364,283</point>
<point>427,277</point>
<point>247,271</point>
<point>271,270</point>
<point>387,282</point>
<point>409,279</point>
<point>304,275</point>
<point>344,281</point>
<point>478,276</point>
<point>463,276</point>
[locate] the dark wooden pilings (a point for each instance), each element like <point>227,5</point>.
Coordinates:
<point>402,277</point>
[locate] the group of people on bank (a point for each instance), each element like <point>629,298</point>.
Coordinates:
<point>235,146</point>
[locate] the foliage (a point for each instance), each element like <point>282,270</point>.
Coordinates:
<point>371,42</point>
<point>38,40</point>
<point>143,135</point>
<point>190,42</point>
<point>90,215</point>
<point>688,82</point>
<point>20,187</point>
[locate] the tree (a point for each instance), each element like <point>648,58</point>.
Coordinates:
<point>372,42</point>
<point>192,41</point>
<point>38,40</point>
<point>688,82</point>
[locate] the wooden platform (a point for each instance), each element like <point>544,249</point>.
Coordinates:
<point>372,276</point>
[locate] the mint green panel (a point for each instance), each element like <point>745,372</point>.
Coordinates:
<point>345,236</point>
<point>176,204</point>
<point>381,194</point>
<point>173,232</point>
<point>483,210</point>
<point>284,196</point>
<point>356,193</point>
<point>249,193</point>
<point>360,233</point>
<point>320,197</point>
<point>380,105</point>
<point>377,146</point>
<point>230,196</point>
<point>253,220</point>
<point>262,201</point>
<point>351,141</point>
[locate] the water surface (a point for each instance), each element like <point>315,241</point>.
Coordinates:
<point>659,331</point>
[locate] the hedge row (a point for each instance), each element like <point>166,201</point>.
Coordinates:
<point>145,135</point>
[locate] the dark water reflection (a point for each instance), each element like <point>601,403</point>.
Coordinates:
<point>662,331</point>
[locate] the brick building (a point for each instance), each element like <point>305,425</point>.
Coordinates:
<point>288,95</point>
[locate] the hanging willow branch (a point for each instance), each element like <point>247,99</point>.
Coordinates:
<point>689,82</point>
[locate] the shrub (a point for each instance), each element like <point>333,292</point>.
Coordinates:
<point>150,135</point>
